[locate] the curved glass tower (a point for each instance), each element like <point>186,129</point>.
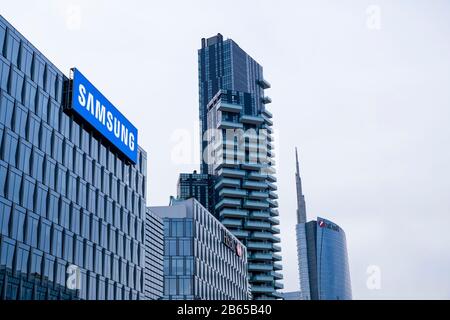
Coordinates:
<point>322,255</point>
<point>329,275</point>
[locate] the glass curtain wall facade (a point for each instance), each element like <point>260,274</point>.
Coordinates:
<point>329,274</point>
<point>198,186</point>
<point>66,199</point>
<point>202,259</point>
<point>154,257</point>
<point>222,64</point>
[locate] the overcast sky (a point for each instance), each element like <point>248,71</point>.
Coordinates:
<point>361,87</point>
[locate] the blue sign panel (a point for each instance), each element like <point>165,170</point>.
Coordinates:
<point>101,114</point>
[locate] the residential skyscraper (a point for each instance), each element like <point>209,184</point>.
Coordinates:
<point>223,65</point>
<point>322,255</point>
<point>202,259</point>
<point>237,142</point>
<point>72,207</point>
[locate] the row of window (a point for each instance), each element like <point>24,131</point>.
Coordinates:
<point>205,291</point>
<point>178,266</point>
<point>23,190</point>
<point>27,63</point>
<point>97,288</point>
<point>20,124</point>
<point>51,237</point>
<point>23,259</point>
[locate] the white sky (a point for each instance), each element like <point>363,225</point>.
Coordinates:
<point>368,107</point>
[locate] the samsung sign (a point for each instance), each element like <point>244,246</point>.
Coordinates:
<point>101,114</point>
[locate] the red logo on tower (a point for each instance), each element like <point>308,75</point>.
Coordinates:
<point>321,223</point>
<point>239,249</point>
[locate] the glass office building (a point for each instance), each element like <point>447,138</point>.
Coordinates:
<point>198,186</point>
<point>238,142</point>
<point>154,257</point>
<point>329,274</point>
<point>68,200</point>
<point>322,255</point>
<point>202,259</point>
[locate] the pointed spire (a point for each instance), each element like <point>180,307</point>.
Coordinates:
<point>301,205</point>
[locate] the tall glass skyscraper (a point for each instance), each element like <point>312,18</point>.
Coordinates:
<point>237,127</point>
<point>322,255</point>
<point>199,186</point>
<point>202,259</point>
<point>329,274</point>
<point>70,204</point>
<point>222,64</point>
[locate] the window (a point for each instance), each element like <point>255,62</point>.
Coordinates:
<point>79,252</point>
<point>3,175</point>
<point>57,147</point>
<point>40,205</point>
<point>14,183</point>
<point>7,253</point>
<point>29,98</point>
<point>81,193</point>
<point>32,224</point>
<point>46,139</point>
<point>28,193</point>
<point>44,236</point>
<point>120,242</point>
<point>112,239</point>
<point>20,120</point>
<point>36,262</point>
<point>38,71</point>
<point>92,199</point>
<point>33,129</point>
<point>5,214</point>
<point>75,218</point>
<point>49,267</point>
<point>94,237</point>
<point>71,189</point>
<point>104,234</point>
<point>37,164</point>
<point>87,161</point>
<point>26,59</point>
<point>53,206</point>
<point>60,273</point>
<point>22,259</point>
<point>78,162</point>
<point>68,246</point>
<point>12,47</point>
<point>64,213</point>
<point>50,83</point>
<point>16,84</point>
<point>64,121</point>
<point>68,154</point>
<point>56,239</point>
<point>107,264</point>
<point>188,224</point>
<point>98,263</point>
<point>10,142</point>
<point>185,247</point>
<point>189,266</point>
<point>88,255</point>
<point>6,109</point>
<point>61,183</point>
<point>85,226</point>
<point>24,156</point>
